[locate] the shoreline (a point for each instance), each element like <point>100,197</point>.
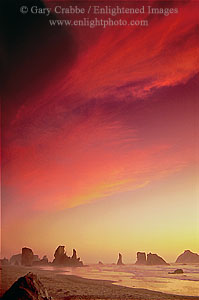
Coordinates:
<point>64,287</point>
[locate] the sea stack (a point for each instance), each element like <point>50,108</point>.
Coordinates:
<point>141,258</point>
<point>62,259</point>
<point>41,262</point>
<point>150,260</point>
<point>154,259</point>
<point>4,261</point>
<point>16,259</point>
<point>60,256</point>
<point>27,257</point>
<point>119,262</point>
<point>74,256</point>
<point>188,257</point>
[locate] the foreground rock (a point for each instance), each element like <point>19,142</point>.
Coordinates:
<point>62,259</point>
<point>27,257</point>
<point>188,257</point>
<point>28,287</point>
<point>141,258</point>
<point>120,262</point>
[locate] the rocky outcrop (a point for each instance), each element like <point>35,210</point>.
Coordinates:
<point>27,257</point>
<point>41,262</point>
<point>141,258</point>
<point>60,256</point>
<point>100,263</point>
<point>36,258</point>
<point>28,287</point>
<point>44,259</point>
<point>188,257</point>
<point>177,271</point>
<point>154,259</point>
<point>150,260</point>
<point>4,261</point>
<point>62,259</point>
<point>120,262</point>
<point>74,256</point>
<point>16,259</point>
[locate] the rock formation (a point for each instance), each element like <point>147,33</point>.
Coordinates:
<point>44,259</point>
<point>74,256</point>
<point>154,259</point>
<point>188,257</point>
<point>100,263</point>
<point>36,258</point>
<point>41,262</point>
<point>151,260</point>
<point>16,259</point>
<point>119,262</point>
<point>141,258</point>
<point>62,259</point>
<point>27,287</point>
<point>4,261</point>
<point>27,257</point>
<point>60,256</point>
<point>177,271</point>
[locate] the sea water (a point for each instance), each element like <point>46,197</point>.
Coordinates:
<point>156,278</point>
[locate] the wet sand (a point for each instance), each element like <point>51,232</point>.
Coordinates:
<point>64,287</point>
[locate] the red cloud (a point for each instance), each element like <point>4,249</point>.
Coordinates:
<point>66,146</point>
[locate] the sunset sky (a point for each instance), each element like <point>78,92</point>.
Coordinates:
<point>100,145</point>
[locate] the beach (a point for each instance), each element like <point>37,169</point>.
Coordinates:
<point>61,286</point>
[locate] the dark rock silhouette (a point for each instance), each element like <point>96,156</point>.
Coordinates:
<point>28,287</point>
<point>151,259</point>
<point>60,252</point>
<point>119,262</point>
<point>36,258</point>
<point>154,259</point>
<point>62,259</point>
<point>188,257</point>
<point>60,256</point>
<point>16,259</point>
<point>41,262</point>
<point>74,256</point>
<point>45,259</point>
<point>177,271</point>
<point>141,258</point>
<point>27,257</point>
<point>100,263</point>
<point>4,261</point>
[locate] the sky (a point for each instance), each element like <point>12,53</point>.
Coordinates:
<point>99,136</point>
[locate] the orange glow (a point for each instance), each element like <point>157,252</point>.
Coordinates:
<point>104,157</point>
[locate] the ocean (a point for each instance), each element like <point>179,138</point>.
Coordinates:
<point>154,278</point>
